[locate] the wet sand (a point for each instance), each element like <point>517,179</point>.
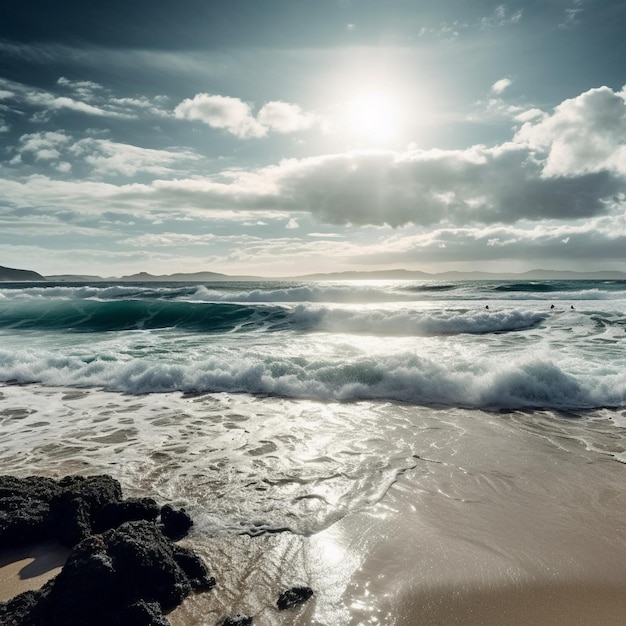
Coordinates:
<point>513,524</point>
<point>512,527</point>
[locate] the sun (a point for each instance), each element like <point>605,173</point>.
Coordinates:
<point>373,116</point>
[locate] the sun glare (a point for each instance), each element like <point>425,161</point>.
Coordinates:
<point>373,116</point>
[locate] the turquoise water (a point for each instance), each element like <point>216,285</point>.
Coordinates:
<point>551,344</point>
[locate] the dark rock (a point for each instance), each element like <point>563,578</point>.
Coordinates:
<point>176,522</point>
<point>127,576</point>
<point>23,520</point>
<point>294,596</point>
<point>37,508</point>
<point>238,620</point>
<point>79,503</point>
<point>21,610</point>
<point>194,568</point>
<point>144,614</point>
<point>134,509</point>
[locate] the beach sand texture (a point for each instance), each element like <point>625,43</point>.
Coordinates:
<point>507,525</point>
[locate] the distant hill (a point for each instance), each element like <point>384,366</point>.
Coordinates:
<point>9,274</point>
<point>13,275</point>
<point>400,274</point>
<point>180,277</point>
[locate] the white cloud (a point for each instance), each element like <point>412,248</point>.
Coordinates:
<point>584,135</point>
<point>43,146</point>
<point>236,116</point>
<point>85,89</point>
<point>104,156</point>
<point>51,102</point>
<point>522,180</point>
<point>284,117</point>
<point>501,17</point>
<point>571,14</point>
<point>109,157</point>
<point>500,85</point>
<point>231,114</point>
<point>292,224</point>
<point>64,167</point>
<point>89,98</point>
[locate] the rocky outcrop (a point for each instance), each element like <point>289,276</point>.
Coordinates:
<point>128,576</point>
<point>67,511</point>
<point>124,568</point>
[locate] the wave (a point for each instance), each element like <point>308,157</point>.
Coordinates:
<point>222,317</point>
<point>410,322</point>
<point>97,316</point>
<point>273,292</point>
<point>490,384</point>
<point>314,292</point>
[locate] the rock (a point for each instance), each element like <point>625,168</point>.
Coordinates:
<point>116,513</point>
<point>127,576</point>
<point>37,508</point>
<point>195,569</point>
<point>294,596</point>
<point>238,620</point>
<point>20,610</point>
<point>176,522</point>
<point>23,520</point>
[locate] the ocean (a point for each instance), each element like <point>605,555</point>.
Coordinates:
<point>277,409</point>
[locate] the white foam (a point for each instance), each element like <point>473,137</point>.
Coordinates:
<point>415,322</point>
<point>505,382</point>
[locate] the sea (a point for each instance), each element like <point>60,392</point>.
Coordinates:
<point>282,407</point>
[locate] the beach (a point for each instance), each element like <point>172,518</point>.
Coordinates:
<point>407,454</point>
<point>501,518</point>
<point>476,537</point>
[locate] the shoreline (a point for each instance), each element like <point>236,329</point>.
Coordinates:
<point>501,518</point>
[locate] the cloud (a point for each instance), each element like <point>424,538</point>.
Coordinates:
<point>571,14</point>
<point>51,103</point>
<point>43,146</point>
<point>103,156</point>
<point>89,98</point>
<point>602,239</point>
<point>111,158</point>
<point>501,17</point>
<point>584,136</point>
<point>236,116</point>
<point>231,114</point>
<point>565,165</point>
<point>84,89</point>
<point>284,117</point>
<point>500,85</point>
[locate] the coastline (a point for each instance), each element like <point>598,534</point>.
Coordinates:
<point>512,518</point>
<point>533,537</point>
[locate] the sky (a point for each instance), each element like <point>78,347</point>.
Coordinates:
<point>289,137</point>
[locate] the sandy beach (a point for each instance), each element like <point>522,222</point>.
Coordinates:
<point>511,527</point>
<point>503,518</point>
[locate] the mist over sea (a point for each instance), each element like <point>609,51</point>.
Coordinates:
<point>275,408</point>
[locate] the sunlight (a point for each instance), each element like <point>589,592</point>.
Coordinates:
<point>373,116</point>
